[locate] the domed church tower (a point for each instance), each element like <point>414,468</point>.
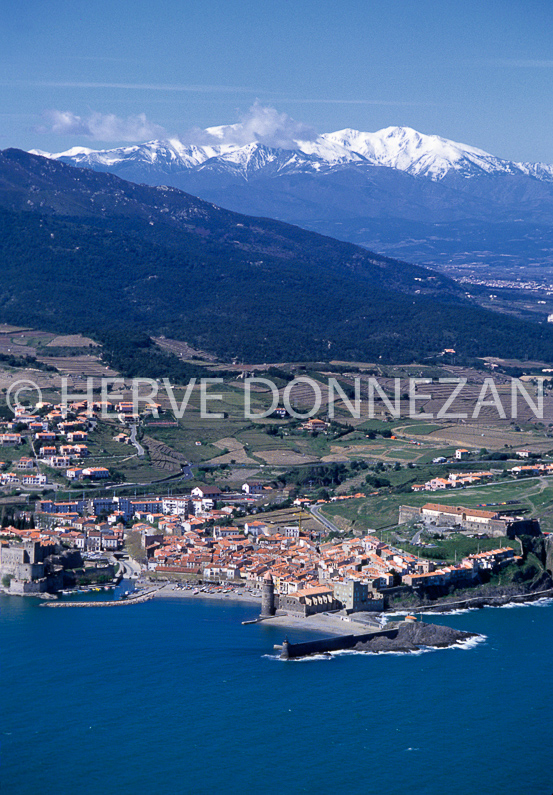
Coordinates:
<point>268,596</point>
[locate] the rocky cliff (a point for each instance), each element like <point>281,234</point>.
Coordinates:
<point>411,636</point>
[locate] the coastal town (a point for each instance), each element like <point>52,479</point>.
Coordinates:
<point>185,539</point>
<point>215,537</point>
<point>276,398</point>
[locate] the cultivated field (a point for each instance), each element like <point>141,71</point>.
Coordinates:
<point>534,497</point>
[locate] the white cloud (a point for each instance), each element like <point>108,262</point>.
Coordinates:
<point>263,124</point>
<point>260,123</point>
<point>101,126</point>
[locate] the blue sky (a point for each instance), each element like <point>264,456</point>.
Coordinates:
<point>101,73</point>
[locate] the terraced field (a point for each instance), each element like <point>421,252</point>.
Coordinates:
<point>86,366</point>
<point>72,341</point>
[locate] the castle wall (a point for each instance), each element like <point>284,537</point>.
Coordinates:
<point>407,513</point>
<point>25,588</point>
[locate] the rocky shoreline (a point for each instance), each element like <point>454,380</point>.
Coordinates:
<point>498,598</point>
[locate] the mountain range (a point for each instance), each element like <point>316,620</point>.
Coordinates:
<point>91,252</point>
<point>400,148</point>
<point>419,197</point>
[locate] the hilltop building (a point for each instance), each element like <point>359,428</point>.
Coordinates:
<point>492,523</point>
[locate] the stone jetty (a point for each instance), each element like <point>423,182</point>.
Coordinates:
<point>130,600</point>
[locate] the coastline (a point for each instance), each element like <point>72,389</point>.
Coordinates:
<point>471,603</point>
<point>356,624</point>
<point>170,591</point>
<point>332,624</point>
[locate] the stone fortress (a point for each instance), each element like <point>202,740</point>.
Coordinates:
<point>35,567</point>
<point>495,523</point>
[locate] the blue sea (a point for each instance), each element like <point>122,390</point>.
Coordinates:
<point>176,696</point>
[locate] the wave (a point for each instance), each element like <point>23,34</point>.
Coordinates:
<point>544,601</point>
<point>471,643</point>
<point>313,657</point>
<point>408,652</point>
<point>307,658</point>
<point>457,611</point>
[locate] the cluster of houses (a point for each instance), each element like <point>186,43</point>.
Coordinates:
<point>86,535</point>
<point>532,469</point>
<point>91,536</point>
<point>188,536</point>
<point>461,479</point>
<point>59,436</point>
<point>292,556</point>
<point>352,575</point>
<point>307,577</point>
<point>452,481</point>
<point>464,573</point>
<point>198,506</point>
<point>26,474</point>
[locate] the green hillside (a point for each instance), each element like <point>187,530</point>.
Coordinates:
<point>94,254</point>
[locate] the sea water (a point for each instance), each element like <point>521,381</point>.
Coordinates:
<point>177,696</point>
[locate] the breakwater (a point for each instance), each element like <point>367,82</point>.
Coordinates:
<point>131,600</point>
<point>290,651</point>
<point>403,636</point>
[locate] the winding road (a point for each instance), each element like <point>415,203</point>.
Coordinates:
<point>417,537</point>
<point>315,511</point>
<point>134,441</point>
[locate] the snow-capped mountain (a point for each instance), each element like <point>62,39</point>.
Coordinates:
<point>407,150</point>
<point>400,148</point>
<point>421,198</point>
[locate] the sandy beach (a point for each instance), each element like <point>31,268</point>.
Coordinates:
<point>170,591</point>
<point>329,624</point>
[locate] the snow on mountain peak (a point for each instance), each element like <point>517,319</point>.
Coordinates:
<point>401,148</point>
<point>73,152</point>
<point>406,149</point>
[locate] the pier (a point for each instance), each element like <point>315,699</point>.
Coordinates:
<point>290,651</point>
<point>131,600</point>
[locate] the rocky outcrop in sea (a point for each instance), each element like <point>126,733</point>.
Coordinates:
<point>414,635</point>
